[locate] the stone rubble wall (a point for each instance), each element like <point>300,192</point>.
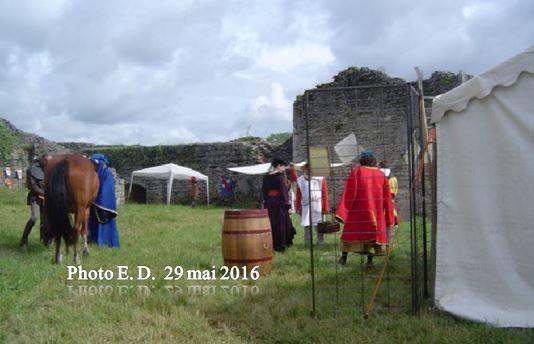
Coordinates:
<point>26,148</point>
<point>372,105</point>
<point>211,159</point>
<point>376,115</point>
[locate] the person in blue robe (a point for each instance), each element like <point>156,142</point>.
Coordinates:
<point>102,223</point>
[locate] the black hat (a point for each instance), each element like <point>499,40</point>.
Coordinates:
<point>277,162</point>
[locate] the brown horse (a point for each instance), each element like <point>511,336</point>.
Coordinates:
<point>71,186</point>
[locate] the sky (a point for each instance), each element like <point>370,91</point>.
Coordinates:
<point>169,72</point>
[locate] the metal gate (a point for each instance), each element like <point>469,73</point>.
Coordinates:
<point>385,119</point>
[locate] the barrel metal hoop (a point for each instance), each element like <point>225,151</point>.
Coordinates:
<point>246,214</point>
<point>248,261</point>
<point>247,232</point>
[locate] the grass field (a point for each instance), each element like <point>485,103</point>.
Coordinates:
<point>38,304</point>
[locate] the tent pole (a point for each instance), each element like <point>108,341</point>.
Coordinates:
<point>208,189</point>
<point>169,188</point>
<point>130,188</point>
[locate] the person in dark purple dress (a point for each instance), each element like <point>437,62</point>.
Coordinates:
<point>276,200</point>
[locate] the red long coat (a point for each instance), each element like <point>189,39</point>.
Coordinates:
<point>366,207</point>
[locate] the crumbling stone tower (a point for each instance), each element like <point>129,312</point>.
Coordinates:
<point>372,105</point>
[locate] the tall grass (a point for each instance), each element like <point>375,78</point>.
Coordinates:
<point>39,304</point>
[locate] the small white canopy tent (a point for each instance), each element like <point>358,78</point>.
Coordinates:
<point>485,174</point>
<point>169,172</point>
<point>264,168</point>
<point>252,169</point>
<point>346,149</point>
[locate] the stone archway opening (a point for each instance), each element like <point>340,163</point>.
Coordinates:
<point>138,194</point>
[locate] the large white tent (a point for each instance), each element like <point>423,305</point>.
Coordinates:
<point>170,172</point>
<point>485,185</point>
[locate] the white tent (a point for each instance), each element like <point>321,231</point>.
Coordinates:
<point>485,174</point>
<point>169,172</point>
<point>252,169</point>
<point>264,168</point>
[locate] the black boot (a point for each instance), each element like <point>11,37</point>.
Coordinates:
<point>27,231</point>
<point>343,258</point>
<point>369,265</point>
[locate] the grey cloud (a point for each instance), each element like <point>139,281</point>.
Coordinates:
<point>430,34</point>
<point>179,71</point>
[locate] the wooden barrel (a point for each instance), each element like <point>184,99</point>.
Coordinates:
<point>247,239</point>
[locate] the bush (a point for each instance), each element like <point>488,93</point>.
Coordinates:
<point>279,138</point>
<point>7,143</point>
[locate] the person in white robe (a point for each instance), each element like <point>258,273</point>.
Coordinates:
<point>318,206</point>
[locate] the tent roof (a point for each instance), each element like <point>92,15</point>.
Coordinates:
<point>252,169</point>
<point>264,168</point>
<point>334,164</point>
<point>505,74</point>
<point>164,172</point>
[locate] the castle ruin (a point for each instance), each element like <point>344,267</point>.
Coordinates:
<point>367,102</point>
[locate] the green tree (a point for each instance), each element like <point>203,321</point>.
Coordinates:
<point>279,138</point>
<point>248,139</point>
<point>7,143</point>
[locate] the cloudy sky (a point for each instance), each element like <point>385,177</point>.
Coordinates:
<point>161,72</point>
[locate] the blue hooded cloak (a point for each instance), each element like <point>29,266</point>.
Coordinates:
<point>102,222</point>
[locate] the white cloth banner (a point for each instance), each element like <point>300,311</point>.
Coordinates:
<point>316,200</point>
<point>347,149</point>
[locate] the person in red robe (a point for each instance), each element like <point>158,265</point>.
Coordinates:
<point>366,209</point>
<point>291,174</point>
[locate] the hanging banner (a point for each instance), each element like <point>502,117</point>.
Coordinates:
<point>319,161</point>
<point>347,149</point>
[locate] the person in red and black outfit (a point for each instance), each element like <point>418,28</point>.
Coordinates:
<point>276,200</point>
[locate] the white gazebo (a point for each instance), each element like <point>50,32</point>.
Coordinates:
<point>170,172</point>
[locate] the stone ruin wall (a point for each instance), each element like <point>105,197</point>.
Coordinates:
<point>27,146</point>
<point>211,159</point>
<point>373,106</point>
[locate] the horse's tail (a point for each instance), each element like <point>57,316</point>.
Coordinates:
<point>57,209</point>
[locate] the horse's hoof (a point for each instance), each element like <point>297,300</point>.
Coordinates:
<point>85,253</point>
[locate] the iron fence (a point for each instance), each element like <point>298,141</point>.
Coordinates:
<point>385,119</point>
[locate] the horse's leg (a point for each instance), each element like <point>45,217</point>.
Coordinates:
<point>76,249</point>
<point>58,252</point>
<point>78,217</point>
<point>85,228</point>
<point>67,246</point>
